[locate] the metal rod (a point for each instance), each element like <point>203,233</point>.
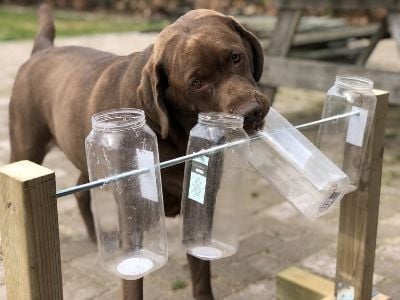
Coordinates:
<point>165,164</point>
<point>181,159</point>
<point>333,118</point>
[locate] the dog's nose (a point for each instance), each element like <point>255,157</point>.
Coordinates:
<point>254,116</point>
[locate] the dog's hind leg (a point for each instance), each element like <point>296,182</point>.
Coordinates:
<point>32,150</point>
<point>29,138</point>
<point>83,199</point>
<point>201,278</point>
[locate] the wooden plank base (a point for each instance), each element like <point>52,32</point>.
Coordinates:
<point>297,284</point>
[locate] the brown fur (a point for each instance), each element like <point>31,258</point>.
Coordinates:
<point>59,88</point>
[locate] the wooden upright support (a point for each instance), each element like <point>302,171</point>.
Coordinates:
<point>359,215</point>
<point>29,232</point>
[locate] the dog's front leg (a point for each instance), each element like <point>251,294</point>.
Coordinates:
<point>132,289</point>
<point>201,278</point>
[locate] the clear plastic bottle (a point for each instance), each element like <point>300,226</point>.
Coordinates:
<point>129,213</point>
<point>296,168</point>
<point>345,140</point>
<point>212,187</point>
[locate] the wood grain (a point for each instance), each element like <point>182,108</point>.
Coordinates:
<point>320,76</point>
<point>280,43</point>
<point>359,213</point>
<point>297,284</point>
<point>29,231</point>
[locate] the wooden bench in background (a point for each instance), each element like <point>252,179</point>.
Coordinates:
<point>316,69</point>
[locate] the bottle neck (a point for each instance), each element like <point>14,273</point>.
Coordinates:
<point>118,119</point>
<point>220,119</point>
<point>354,83</point>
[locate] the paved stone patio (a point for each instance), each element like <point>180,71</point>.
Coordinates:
<point>274,235</point>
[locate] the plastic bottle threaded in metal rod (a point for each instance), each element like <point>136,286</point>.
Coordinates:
<point>182,159</point>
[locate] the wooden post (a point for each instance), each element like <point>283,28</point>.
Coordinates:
<point>359,215</point>
<point>375,39</point>
<point>281,41</point>
<point>394,25</point>
<point>29,231</point>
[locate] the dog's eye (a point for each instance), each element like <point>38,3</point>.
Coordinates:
<point>196,83</point>
<point>236,58</point>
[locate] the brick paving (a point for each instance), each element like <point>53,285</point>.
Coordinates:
<point>274,235</point>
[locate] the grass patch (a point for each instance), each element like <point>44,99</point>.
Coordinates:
<point>178,284</point>
<point>21,23</point>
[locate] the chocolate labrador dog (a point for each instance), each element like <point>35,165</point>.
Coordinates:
<point>205,61</point>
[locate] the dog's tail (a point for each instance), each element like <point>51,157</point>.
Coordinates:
<point>46,32</point>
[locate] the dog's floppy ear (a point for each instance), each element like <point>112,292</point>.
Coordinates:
<point>151,94</point>
<point>257,52</point>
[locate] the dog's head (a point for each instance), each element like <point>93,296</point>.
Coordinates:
<point>203,62</point>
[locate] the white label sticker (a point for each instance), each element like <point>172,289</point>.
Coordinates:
<point>292,147</point>
<point>356,128</point>
<point>148,183</point>
<point>198,179</point>
<point>202,159</point>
